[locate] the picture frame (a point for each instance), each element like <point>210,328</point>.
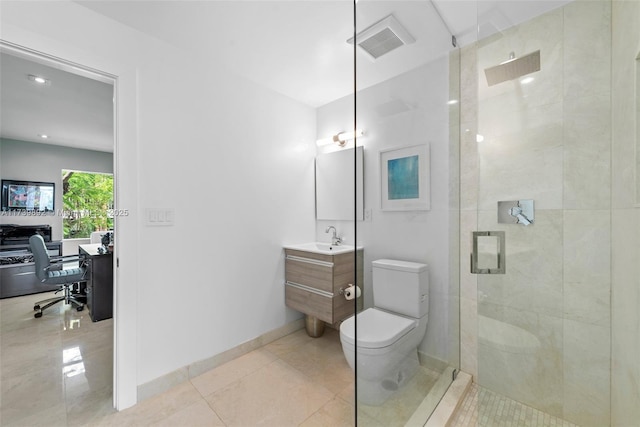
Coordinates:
<point>405,178</point>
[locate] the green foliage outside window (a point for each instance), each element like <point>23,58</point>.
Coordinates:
<point>88,203</point>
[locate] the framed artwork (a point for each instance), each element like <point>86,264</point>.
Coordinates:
<point>405,179</point>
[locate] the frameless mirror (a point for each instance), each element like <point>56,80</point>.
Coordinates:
<point>335,189</point>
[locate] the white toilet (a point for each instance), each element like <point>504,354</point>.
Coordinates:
<point>390,332</point>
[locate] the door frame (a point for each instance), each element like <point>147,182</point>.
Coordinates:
<point>124,300</point>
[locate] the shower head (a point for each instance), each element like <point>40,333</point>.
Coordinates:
<point>513,68</point>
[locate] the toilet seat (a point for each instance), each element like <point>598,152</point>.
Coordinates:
<point>376,328</point>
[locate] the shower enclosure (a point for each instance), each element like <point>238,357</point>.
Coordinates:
<point>553,334</point>
<point>532,128</point>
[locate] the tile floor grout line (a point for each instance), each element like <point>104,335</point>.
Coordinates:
<point>492,409</point>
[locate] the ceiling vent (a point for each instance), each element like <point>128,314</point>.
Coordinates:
<point>382,37</point>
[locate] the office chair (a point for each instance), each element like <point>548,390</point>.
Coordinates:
<point>49,271</point>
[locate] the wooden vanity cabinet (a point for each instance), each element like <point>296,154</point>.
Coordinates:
<point>314,281</point>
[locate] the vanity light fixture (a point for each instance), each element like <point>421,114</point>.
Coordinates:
<point>39,80</point>
<point>341,138</point>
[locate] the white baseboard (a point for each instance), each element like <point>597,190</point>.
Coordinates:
<point>172,379</point>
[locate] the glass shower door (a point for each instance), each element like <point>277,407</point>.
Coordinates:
<point>541,167</point>
<point>407,82</point>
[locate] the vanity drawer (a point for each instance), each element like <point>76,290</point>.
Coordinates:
<point>313,283</point>
<point>310,272</point>
<point>309,301</point>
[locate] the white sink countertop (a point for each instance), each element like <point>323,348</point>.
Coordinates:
<point>321,248</point>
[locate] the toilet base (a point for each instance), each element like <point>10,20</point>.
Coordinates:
<point>376,392</point>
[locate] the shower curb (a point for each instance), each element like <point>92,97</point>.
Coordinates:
<point>446,410</point>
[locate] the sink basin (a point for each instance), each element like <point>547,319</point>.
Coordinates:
<point>321,248</point>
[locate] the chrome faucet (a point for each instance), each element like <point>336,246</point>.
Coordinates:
<point>335,240</point>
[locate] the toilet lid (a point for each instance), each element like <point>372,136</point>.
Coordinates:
<point>376,328</point>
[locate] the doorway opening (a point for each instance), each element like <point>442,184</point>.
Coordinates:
<point>80,135</point>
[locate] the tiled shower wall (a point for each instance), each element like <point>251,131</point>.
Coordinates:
<point>540,334</point>
<point>625,369</point>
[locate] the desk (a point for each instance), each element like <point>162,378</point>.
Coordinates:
<point>99,281</point>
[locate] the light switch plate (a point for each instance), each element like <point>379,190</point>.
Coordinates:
<point>159,216</point>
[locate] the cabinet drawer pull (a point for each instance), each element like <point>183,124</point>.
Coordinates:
<point>310,289</point>
<point>310,261</point>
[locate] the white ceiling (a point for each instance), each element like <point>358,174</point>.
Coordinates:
<point>71,110</point>
<point>295,47</point>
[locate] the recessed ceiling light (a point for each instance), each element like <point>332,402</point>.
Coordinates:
<point>43,136</point>
<point>39,79</point>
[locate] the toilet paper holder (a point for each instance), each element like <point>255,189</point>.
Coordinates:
<point>349,290</point>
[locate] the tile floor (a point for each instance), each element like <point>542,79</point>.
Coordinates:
<point>57,371</point>
<point>498,411</point>
<point>53,367</point>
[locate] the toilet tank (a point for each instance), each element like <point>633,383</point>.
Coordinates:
<point>401,287</point>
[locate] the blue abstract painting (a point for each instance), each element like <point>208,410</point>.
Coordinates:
<point>403,178</point>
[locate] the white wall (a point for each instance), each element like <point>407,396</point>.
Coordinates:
<point>236,163</point>
<point>234,160</point>
<point>42,162</point>
<point>420,236</point>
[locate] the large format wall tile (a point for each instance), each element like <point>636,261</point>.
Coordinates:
<point>625,191</point>
<point>625,321</point>
<point>625,373</point>
<point>468,167</point>
<point>625,393</point>
<point>469,336</point>
<point>587,266</point>
<point>468,281</point>
<point>587,48</point>
<point>533,278</point>
<point>520,356</point>
<point>468,83</point>
<point>521,157</point>
<point>586,374</point>
<point>625,295</point>
<point>587,152</point>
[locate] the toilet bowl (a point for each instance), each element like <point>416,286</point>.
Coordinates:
<point>385,348</point>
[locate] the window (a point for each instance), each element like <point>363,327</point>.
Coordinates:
<point>88,203</point>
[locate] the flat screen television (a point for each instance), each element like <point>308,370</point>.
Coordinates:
<point>27,196</point>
